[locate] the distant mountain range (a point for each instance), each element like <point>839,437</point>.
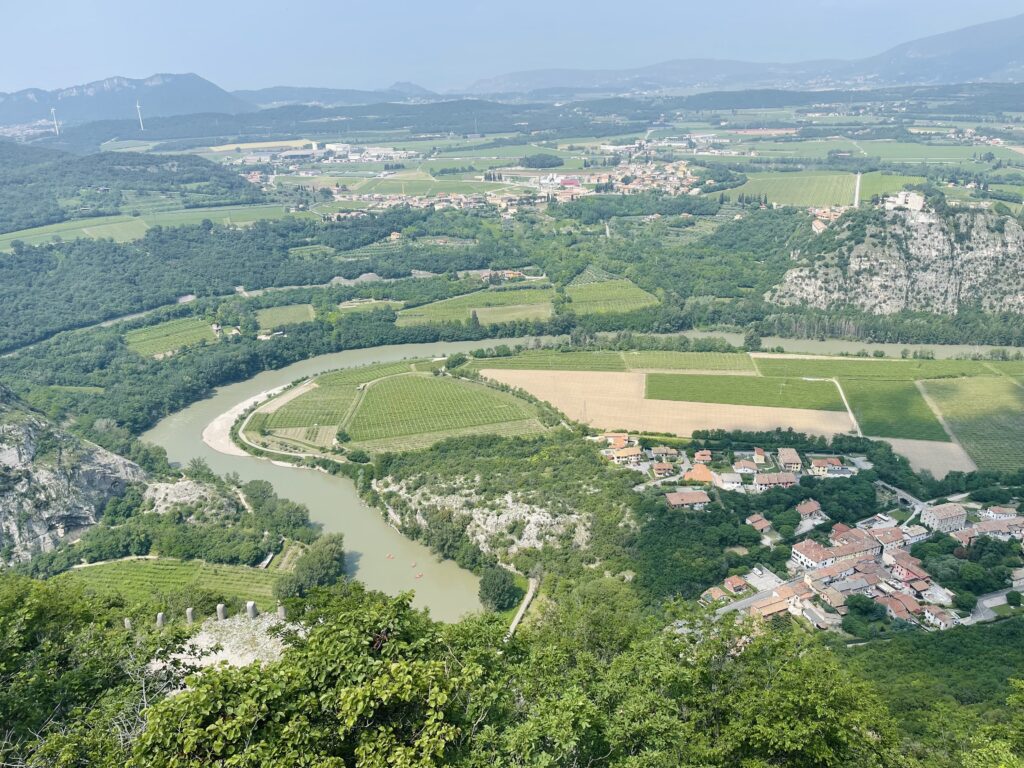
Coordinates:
<point>991,52</point>
<point>114,98</point>
<point>283,95</point>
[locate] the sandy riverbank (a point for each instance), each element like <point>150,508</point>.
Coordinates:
<point>217,433</point>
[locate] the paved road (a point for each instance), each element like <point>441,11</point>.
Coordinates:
<point>983,610</point>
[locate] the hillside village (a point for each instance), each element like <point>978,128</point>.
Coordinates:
<point>869,561</point>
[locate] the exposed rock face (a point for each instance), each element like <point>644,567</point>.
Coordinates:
<point>915,262</point>
<point>51,483</point>
<point>501,526</point>
<point>166,496</point>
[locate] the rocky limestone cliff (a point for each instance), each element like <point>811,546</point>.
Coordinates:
<point>883,263</point>
<point>52,484</point>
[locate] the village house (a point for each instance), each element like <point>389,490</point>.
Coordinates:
<point>759,523</point>
<point>759,457</point>
<point>664,453</point>
<point>944,517</point>
<point>998,513</point>
<point>808,508</point>
<point>702,457</point>
<point>900,606</point>
<point>745,467</point>
<point>616,440</point>
<point>765,480</point>
<point>687,499</point>
<point>811,555</point>
<point>940,617</point>
<point>906,567</point>
<point>699,473</point>
<point>914,533</point>
<point>729,481</point>
<point>1003,529</point>
<point>789,460</point>
<point>736,584</point>
<point>787,598</point>
<point>627,456</point>
<point>889,538</point>
<point>826,466</point>
<point>662,469</point>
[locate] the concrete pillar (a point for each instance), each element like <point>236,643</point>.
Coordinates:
<point>190,615</point>
<point>250,609</point>
<point>222,612</point>
<point>160,620</point>
<point>127,623</point>
<point>281,612</point>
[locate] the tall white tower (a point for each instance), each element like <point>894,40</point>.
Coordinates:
<point>56,125</point>
<point>138,108</point>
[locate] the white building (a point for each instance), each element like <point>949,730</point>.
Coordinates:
<point>944,517</point>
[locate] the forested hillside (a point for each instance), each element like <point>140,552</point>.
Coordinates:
<point>40,186</point>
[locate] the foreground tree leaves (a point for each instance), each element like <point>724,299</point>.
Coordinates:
<point>375,683</point>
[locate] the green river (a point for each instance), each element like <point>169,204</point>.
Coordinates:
<point>378,555</point>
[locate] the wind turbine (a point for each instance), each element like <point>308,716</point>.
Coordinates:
<point>138,108</point>
<point>56,125</point>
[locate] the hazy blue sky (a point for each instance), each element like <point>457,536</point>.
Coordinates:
<point>442,45</point>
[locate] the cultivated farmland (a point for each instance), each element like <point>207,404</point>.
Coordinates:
<point>393,406</point>
<point>895,370</point>
<point>802,188</point>
<point>144,580</point>
<point>553,360</point>
<point>987,416</point>
<point>892,409</point>
<point>289,314</point>
<point>168,337</point>
<point>745,390</point>
<point>608,296</point>
<point>420,404</point>
<point>491,306</point>
<point>882,184</point>
<point>696,361</point>
<point>328,399</point>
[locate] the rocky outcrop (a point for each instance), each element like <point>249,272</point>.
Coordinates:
<point>500,526</point>
<point>883,263</point>
<point>52,484</point>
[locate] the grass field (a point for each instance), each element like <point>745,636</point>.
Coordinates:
<point>745,390</point>
<point>892,409</point>
<point>417,404</point>
<point>697,361</point>
<point>289,314</point>
<point>894,370</point>
<point>610,360</point>
<point>882,184</point>
<point>125,228</point>
<point>553,360</point>
<point>491,306</point>
<point>169,337</point>
<point>608,296</point>
<point>142,580</point>
<point>987,416</point>
<point>802,188</point>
